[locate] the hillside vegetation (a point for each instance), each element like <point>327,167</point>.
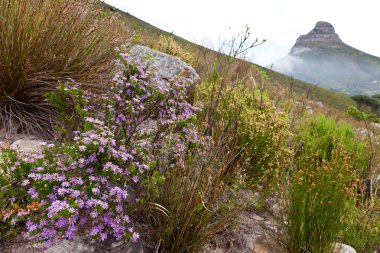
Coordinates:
<point>169,164</point>
<point>150,34</point>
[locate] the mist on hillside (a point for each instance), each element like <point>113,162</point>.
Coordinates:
<point>336,71</point>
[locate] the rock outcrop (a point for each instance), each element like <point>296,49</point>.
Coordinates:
<point>167,66</point>
<point>323,35</point>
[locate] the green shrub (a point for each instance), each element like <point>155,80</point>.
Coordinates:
<point>42,42</point>
<point>321,185</point>
<point>69,102</point>
<point>354,112</point>
<point>326,134</point>
<point>261,131</point>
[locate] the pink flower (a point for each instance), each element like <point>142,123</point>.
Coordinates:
<point>96,191</point>
<point>25,182</point>
<point>135,236</point>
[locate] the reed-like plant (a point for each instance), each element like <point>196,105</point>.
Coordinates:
<point>318,196</point>
<point>42,42</point>
<point>322,183</point>
<point>193,198</point>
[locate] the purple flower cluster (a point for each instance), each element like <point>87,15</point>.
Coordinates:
<point>137,95</point>
<point>79,190</point>
<point>85,186</point>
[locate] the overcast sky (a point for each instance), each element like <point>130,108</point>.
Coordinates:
<point>207,22</point>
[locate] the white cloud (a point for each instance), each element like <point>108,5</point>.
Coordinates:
<point>281,22</point>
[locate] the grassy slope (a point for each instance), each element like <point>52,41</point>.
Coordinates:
<point>347,51</point>
<point>338,100</point>
<point>334,99</point>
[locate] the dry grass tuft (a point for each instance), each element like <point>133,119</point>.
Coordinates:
<point>42,42</point>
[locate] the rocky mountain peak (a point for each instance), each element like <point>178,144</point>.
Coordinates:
<point>322,36</point>
<point>323,27</point>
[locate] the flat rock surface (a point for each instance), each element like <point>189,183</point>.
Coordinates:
<point>28,144</point>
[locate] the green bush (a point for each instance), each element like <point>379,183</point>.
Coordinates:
<point>326,133</point>
<point>354,112</point>
<point>261,131</point>
<point>321,185</point>
<point>42,42</point>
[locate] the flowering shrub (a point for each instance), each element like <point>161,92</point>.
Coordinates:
<point>137,96</point>
<point>261,130</point>
<point>74,186</point>
<point>90,184</point>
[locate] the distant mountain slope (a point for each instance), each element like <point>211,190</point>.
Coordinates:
<point>321,57</point>
<point>334,99</point>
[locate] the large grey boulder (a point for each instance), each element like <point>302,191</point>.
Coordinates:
<point>167,66</point>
